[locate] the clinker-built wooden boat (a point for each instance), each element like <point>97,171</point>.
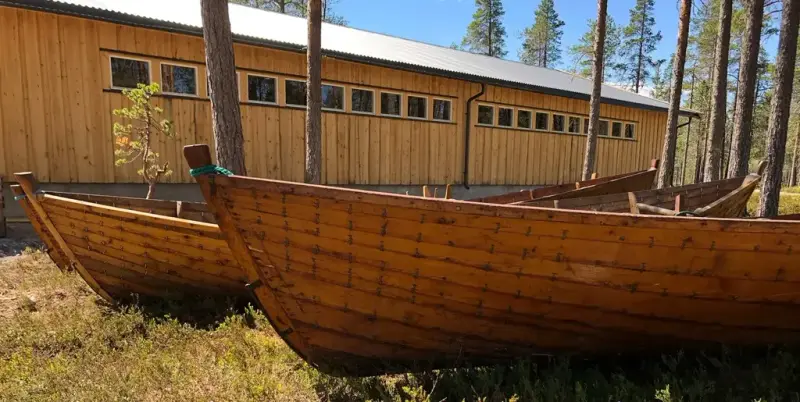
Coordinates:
<point>364,283</point>
<point>720,199</point>
<point>120,250</point>
<point>641,180</point>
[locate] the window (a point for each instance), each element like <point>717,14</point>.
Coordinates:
<point>296,93</point>
<point>126,73</point>
<point>586,126</point>
<point>542,120</point>
<point>441,109</point>
<point>390,104</point>
<point>505,117</point>
<point>616,129</point>
<point>178,79</point>
<point>363,100</point>
<point>629,130</point>
<point>523,119</point>
<point>486,115</point>
<point>574,125</point>
<point>332,97</point>
<point>417,107</point>
<point>603,128</point>
<point>558,122</point>
<point>261,89</point>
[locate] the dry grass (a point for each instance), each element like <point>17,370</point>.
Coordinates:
<point>58,341</point>
<point>789,204</point>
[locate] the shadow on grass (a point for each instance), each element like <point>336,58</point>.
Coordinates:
<point>200,312</point>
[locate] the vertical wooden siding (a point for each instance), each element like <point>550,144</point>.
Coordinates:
<point>56,116</point>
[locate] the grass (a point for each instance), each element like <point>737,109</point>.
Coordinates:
<point>58,341</point>
<point>789,203</point>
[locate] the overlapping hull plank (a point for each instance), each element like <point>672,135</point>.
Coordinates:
<point>635,181</point>
<point>366,283</point>
<point>127,251</point>
<point>195,211</point>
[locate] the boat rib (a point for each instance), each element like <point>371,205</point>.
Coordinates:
<point>366,283</point>
<point>121,250</point>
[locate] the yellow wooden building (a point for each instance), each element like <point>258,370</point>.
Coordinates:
<point>396,112</point>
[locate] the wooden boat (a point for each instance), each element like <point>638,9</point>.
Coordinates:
<point>365,283</point>
<point>120,250</point>
<point>641,180</point>
<point>720,199</point>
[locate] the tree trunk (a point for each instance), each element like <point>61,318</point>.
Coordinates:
<point>671,136</point>
<point>491,5</point>
<point>688,133</point>
<point>748,73</point>
<point>151,190</point>
<point>793,173</point>
<point>597,81</point>
<point>314,95</point>
<point>716,131</point>
<point>222,84</point>
<point>779,109</point>
<point>641,50</point>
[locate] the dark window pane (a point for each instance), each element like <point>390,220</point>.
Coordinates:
<point>441,109</point>
<point>586,126</point>
<point>603,128</point>
<point>261,89</point>
<point>616,129</point>
<point>332,97</point>
<point>390,104</point>
<point>629,130</point>
<point>126,73</point>
<point>295,93</point>
<point>178,79</point>
<point>542,121</point>
<point>505,117</point>
<point>485,115</point>
<point>523,119</point>
<point>558,122</point>
<point>363,100</point>
<point>417,107</point>
<point>574,125</point>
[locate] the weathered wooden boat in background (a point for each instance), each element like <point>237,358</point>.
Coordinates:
<point>120,250</point>
<point>641,180</point>
<point>720,199</point>
<point>365,283</point>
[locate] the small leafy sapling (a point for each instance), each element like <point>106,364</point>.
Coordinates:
<point>134,139</point>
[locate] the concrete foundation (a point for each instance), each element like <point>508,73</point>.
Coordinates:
<point>190,192</point>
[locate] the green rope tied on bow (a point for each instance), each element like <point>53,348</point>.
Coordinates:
<point>686,213</point>
<point>209,169</point>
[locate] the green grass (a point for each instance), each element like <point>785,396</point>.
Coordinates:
<point>789,203</point>
<point>58,341</point>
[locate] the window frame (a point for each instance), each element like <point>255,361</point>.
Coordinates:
<point>624,131</point>
<point>286,94</point>
<point>478,115</point>
<point>247,86</point>
<point>408,98</point>
<point>399,114</point>
<point>433,108</point>
<point>329,109</point>
<point>374,101</point>
<point>548,114</point>
<point>600,130</point>
<point>553,122</point>
<point>512,109</point>
<point>580,123</point>
<point>111,70</point>
<point>196,82</point>
<point>621,130</point>
<point>530,111</point>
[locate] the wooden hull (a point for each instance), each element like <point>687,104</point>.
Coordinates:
<point>366,283</point>
<point>635,181</point>
<point>120,252</point>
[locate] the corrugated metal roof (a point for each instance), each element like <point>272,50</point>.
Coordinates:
<point>279,28</point>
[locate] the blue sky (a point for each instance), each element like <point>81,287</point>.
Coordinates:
<point>443,22</point>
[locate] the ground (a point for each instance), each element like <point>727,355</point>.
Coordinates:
<point>59,341</point>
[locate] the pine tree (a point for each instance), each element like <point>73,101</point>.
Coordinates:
<point>582,53</point>
<point>716,132</point>
<point>297,8</point>
<point>594,101</point>
<point>485,34</point>
<point>638,43</point>
<point>542,40</point>
<point>662,79</point>
<point>313,160</point>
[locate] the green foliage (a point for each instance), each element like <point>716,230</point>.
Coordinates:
<point>542,41</point>
<point>638,44</point>
<point>662,79</point>
<point>134,139</point>
<point>582,53</point>
<point>486,34</point>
